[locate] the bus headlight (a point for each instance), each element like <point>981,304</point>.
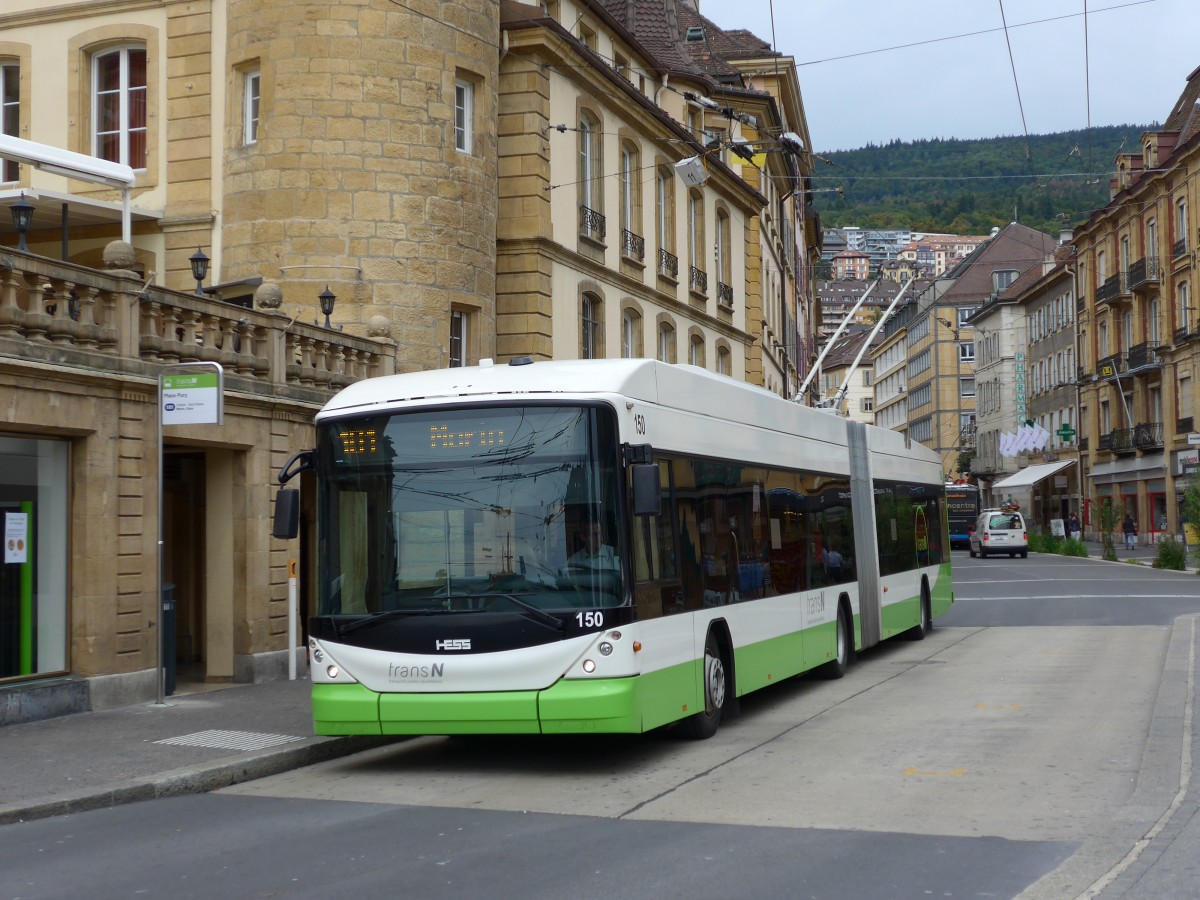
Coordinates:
<point>605,648</point>
<point>333,671</point>
<point>589,666</point>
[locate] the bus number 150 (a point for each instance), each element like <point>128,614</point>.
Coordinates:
<point>590,619</point>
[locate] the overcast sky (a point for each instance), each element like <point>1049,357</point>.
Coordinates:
<point>1140,54</point>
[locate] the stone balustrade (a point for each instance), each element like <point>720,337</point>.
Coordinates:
<point>65,314</point>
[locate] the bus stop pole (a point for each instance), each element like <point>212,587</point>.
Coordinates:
<point>292,616</point>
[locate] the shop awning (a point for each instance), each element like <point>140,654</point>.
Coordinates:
<point>1031,475</point>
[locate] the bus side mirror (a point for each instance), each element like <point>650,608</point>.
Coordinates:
<point>287,514</point>
<point>646,498</point>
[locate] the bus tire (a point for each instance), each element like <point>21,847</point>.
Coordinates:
<point>837,666</point>
<point>925,625</point>
<point>703,725</point>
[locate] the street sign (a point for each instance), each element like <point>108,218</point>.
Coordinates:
<point>1065,433</point>
<point>191,399</point>
<point>1193,438</point>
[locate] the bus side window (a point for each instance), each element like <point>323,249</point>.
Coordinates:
<point>655,556</point>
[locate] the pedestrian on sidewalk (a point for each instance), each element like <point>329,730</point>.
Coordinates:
<point>1129,527</point>
<point>1073,527</point>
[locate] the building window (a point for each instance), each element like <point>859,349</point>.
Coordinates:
<point>922,429</point>
<point>867,404</point>
<point>666,343</point>
<point>10,114</point>
<point>119,106</point>
<point>33,591</point>
<point>251,84</point>
<point>1181,224</point>
<point>590,327</point>
<point>458,339</point>
<point>631,342</point>
<point>1002,278</point>
<point>964,313</point>
<point>966,386</point>
<point>1181,292</point>
<point>724,363</point>
<point>464,113</point>
<point>696,229</point>
<point>664,211</point>
<point>724,252</point>
<point>631,199</point>
<point>589,162</point>
<point>966,351</point>
<point>696,351</point>
<point>867,377</point>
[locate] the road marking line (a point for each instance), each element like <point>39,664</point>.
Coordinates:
<point>985,706</point>
<point>958,596</point>
<point>953,773</point>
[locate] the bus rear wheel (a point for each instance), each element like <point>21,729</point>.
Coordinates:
<point>925,623</point>
<point>704,724</point>
<point>837,666</point>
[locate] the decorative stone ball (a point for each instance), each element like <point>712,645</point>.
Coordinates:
<point>119,255</point>
<point>268,295</point>
<point>379,326</point>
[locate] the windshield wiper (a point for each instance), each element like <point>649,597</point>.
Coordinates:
<point>532,612</point>
<point>386,616</point>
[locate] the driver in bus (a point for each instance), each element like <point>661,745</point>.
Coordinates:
<point>594,554</point>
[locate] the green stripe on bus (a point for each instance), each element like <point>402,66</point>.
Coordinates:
<point>344,709</point>
<point>942,593</point>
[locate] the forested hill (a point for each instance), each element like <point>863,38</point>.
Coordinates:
<point>967,186</point>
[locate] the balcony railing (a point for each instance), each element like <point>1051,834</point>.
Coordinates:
<point>697,280</point>
<point>724,293</point>
<point>1142,358</point>
<point>1182,335</point>
<point>1110,366</point>
<point>633,246</point>
<point>1113,287</point>
<point>1143,273</point>
<point>1179,248</point>
<point>69,315</point>
<point>1148,435</point>
<point>592,224</point>
<point>1184,425</point>
<point>668,264</point>
<point>1083,445</point>
<point>1120,441</point>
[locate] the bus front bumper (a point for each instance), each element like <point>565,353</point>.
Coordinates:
<point>569,707</point>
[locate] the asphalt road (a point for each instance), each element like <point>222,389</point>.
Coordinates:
<point>1031,746</point>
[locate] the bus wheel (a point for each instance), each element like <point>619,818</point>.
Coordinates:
<point>704,724</point>
<point>837,666</point>
<point>925,625</point>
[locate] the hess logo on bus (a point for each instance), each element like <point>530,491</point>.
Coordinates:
<point>454,644</point>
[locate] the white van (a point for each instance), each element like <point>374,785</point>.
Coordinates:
<point>997,531</point>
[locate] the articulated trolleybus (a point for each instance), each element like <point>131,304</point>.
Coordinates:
<point>600,546</point>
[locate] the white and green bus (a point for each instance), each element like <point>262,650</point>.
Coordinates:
<point>600,546</point>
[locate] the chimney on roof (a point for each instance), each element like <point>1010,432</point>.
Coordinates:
<point>1065,236</point>
<point>995,230</point>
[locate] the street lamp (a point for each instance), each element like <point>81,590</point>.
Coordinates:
<point>22,213</point>
<point>199,269</point>
<point>327,298</point>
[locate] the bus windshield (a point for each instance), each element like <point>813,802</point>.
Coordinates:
<point>509,509</point>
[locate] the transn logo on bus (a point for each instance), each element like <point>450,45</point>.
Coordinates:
<point>455,644</point>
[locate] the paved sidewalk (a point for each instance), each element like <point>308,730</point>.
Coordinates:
<point>192,743</point>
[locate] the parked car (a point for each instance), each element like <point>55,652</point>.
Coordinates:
<point>997,531</point>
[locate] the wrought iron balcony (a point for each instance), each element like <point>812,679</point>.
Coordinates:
<point>1148,436</point>
<point>1113,287</point>
<point>668,264</point>
<point>1182,335</point>
<point>724,293</point>
<point>1143,274</point>
<point>1082,374</point>
<point>1179,248</point>
<point>1120,440</point>
<point>633,246</point>
<point>697,280</point>
<point>1142,358</point>
<point>1083,445</point>
<point>592,224</point>
<point>1110,366</point>
<point>1184,425</point>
